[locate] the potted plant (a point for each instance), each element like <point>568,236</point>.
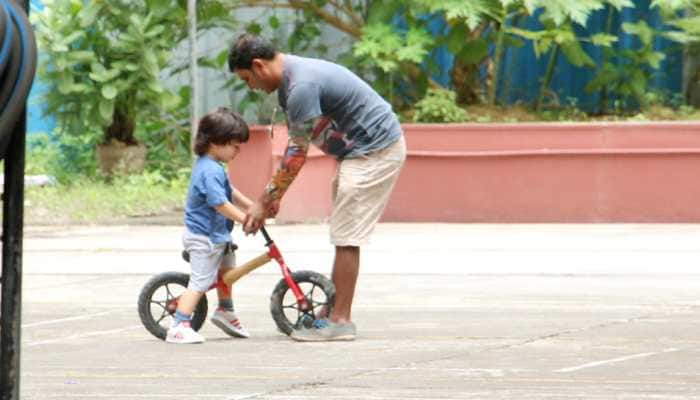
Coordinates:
<point>102,62</point>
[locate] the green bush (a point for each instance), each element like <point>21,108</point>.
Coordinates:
<point>96,200</point>
<point>82,195</point>
<point>102,62</point>
<point>439,105</point>
<point>65,157</point>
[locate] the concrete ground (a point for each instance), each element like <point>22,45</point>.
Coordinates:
<point>444,311</point>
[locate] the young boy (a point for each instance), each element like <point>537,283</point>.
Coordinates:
<point>209,213</point>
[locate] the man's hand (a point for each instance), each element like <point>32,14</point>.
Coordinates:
<point>273,208</point>
<point>255,218</point>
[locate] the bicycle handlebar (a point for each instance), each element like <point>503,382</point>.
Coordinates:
<point>268,240</point>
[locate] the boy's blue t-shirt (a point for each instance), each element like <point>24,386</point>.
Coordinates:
<point>209,187</point>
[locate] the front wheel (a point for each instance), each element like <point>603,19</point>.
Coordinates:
<point>319,292</point>
<point>158,302</point>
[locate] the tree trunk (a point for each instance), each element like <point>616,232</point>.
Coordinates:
<point>120,152</point>
<point>691,75</point>
<point>465,82</point>
<point>121,130</point>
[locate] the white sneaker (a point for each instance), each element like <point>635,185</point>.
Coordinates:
<point>228,322</point>
<point>183,333</point>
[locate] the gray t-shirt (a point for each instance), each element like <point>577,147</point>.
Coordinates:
<point>356,120</point>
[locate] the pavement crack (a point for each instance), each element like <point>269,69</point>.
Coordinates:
<point>527,341</point>
<point>301,385</point>
<point>320,382</point>
<point>570,331</point>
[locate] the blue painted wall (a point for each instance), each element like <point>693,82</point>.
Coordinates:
<point>568,82</point>
<point>36,122</point>
<point>521,71</point>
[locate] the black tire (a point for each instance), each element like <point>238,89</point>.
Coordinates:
<point>318,289</point>
<point>24,57</point>
<point>158,302</point>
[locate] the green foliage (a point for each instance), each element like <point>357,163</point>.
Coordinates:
<point>626,73</point>
<point>393,52</point>
<point>562,36</point>
<point>94,200</point>
<point>65,157</point>
<point>102,61</point>
<point>559,37</point>
<point>70,157</point>
<point>472,13</point>
<point>387,48</point>
<point>167,137</point>
<point>469,20</point>
<point>41,155</point>
<point>439,105</point>
<point>561,11</point>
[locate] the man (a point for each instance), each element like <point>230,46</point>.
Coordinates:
<point>331,107</point>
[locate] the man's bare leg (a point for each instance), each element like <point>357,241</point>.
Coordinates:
<point>345,270</point>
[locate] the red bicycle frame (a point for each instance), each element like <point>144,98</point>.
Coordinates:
<point>273,253</point>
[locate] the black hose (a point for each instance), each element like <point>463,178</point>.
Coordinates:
<point>17,67</point>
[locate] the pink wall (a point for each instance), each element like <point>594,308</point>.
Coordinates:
<point>308,199</point>
<point>252,168</point>
<point>613,172</point>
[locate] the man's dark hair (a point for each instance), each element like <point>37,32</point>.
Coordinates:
<point>221,126</point>
<point>248,47</point>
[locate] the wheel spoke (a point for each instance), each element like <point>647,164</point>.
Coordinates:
<point>164,313</point>
<point>316,303</point>
<point>310,294</point>
<point>292,304</point>
<point>162,317</point>
<point>310,297</point>
<point>168,293</point>
<point>160,304</point>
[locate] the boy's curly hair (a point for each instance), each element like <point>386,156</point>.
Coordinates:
<point>221,126</point>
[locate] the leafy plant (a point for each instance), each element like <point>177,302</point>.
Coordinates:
<point>42,154</point>
<point>478,34</point>
<point>65,157</point>
<point>102,62</point>
<point>439,105</point>
<point>387,48</point>
<point>559,37</point>
<point>627,72</point>
<point>95,200</point>
<point>167,137</point>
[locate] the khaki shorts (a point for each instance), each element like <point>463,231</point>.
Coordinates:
<point>361,189</point>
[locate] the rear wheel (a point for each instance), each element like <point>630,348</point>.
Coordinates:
<point>319,292</point>
<point>158,302</point>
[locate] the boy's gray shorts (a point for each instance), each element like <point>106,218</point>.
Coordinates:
<point>205,260</point>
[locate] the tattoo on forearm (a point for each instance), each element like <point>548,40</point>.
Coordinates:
<point>293,160</point>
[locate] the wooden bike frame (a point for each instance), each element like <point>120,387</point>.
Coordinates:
<point>273,253</point>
